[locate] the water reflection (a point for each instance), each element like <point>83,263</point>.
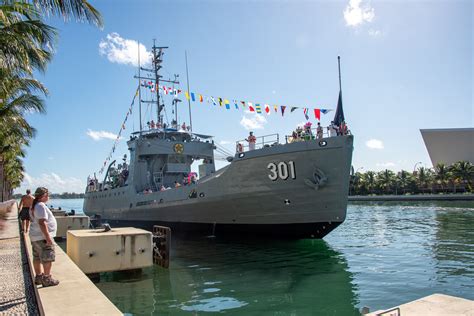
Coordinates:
<point>406,250</point>
<point>246,278</point>
<point>454,248</point>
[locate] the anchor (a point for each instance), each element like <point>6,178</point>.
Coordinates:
<point>319,177</point>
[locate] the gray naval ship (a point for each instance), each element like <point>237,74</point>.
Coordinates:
<point>291,188</point>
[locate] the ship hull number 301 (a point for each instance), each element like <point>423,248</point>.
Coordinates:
<point>281,170</point>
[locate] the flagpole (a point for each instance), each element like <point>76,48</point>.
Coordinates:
<point>139,90</point>
<point>339,66</point>
<point>189,99</point>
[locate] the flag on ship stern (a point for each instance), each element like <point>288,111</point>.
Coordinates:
<point>339,116</point>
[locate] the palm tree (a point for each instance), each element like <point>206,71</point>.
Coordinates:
<point>442,174</point>
<point>25,42</point>
<point>17,99</point>
<point>358,183</point>
<point>26,45</point>
<point>368,179</point>
<point>423,178</point>
<point>80,10</point>
<point>463,172</point>
<point>12,172</point>
<point>385,180</point>
<point>404,179</point>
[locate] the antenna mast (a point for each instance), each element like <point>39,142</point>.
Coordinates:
<point>139,90</point>
<point>157,59</point>
<point>157,66</point>
<point>189,101</point>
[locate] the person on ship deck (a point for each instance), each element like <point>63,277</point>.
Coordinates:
<point>251,140</point>
<point>319,131</point>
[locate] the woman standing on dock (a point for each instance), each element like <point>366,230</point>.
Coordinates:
<point>42,231</point>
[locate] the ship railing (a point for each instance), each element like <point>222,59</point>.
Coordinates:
<point>261,142</point>
<point>168,133</point>
<point>301,135</point>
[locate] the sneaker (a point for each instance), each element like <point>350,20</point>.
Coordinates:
<point>48,280</point>
<point>38,279</point>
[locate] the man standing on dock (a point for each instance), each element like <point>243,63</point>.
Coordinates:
<point>25,205</point>
<point>43,230</point>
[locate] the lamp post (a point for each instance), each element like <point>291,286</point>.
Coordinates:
<point>414,167</point>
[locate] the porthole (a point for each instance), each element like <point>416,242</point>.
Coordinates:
<point>323,143</point>
<point>201,194</point>
<point>241,155</point>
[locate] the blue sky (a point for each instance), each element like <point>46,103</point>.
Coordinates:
<point>406,65</point>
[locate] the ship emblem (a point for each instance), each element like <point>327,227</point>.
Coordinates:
<point>319,179</point>
<point>178,148</point>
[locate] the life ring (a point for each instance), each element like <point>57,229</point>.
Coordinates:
<point>240,148</point>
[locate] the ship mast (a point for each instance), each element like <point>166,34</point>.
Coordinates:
<point>139,91</point>
<point>157,59</point>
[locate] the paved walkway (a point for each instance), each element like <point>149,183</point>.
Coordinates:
<point>17,294</point>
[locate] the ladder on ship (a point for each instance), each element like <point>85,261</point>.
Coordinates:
<point>157,180</point>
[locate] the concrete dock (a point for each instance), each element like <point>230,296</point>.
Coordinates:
<point>433,305</point>
<point>75,294</point>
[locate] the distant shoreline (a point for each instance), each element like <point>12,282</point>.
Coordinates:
<point>65,196</point>
<point>417,197</point>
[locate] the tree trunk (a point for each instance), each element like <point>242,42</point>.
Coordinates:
<point>2,182</point>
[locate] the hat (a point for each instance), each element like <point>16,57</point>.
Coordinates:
<point>40,191</point>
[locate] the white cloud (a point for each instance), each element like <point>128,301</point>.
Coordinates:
<point>256,121</point>
<point>123,51</point>
<point>375,33</point>
<point>374,144</point>
<point>53,182</point>
<point>357,13</point>
<point>385,164</point>
<point>99,135</point>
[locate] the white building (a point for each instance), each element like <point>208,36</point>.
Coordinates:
<point>449,145</point>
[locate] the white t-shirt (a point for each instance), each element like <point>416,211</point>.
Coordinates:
<point>41,211</point>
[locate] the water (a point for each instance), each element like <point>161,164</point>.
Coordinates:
<point>67,204</point>
<point>385,254</point>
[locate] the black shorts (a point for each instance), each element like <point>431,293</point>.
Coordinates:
<point>25,213</point>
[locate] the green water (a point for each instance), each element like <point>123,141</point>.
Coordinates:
<point>384,254</point>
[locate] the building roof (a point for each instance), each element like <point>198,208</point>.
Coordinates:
<point>449,145</point>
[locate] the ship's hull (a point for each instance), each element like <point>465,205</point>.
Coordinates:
<point>297,190</point>
<point>239,231</point>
